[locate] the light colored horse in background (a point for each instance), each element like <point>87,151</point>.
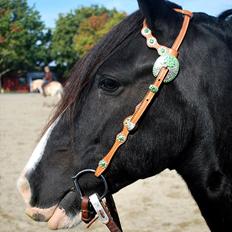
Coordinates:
<point>54,88</point>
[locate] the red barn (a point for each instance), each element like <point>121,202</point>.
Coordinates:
<point>14,82</point>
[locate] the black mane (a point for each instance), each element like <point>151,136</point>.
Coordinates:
<point>85,68</point>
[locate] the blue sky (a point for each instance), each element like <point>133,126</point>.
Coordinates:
<point>50,9</point>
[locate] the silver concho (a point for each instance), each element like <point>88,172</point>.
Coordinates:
<point>168,61</point>
<point>128,124</point>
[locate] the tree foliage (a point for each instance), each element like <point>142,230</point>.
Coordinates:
<point>23,39</point>
<point>94,28</point>
<point>25,43</point>
<point>62,50</point>
<point>78,31</point>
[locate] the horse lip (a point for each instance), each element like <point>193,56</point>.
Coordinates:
<point>60,219</point>
<point>37,217</point>
<point>56,219</point>
<point>44,215</point>
<point>41,215</point>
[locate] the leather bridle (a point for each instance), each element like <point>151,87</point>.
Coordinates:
<point>165,70</point>
<point>94,205</point>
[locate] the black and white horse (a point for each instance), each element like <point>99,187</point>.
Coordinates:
<point>188,127</point>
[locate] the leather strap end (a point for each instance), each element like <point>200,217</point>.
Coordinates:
<point>99,171</point>
<point>112,226</point>
<point>86,215</point>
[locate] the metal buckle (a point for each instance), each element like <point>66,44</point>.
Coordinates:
<point>99,209</point>
<point>78,187</point>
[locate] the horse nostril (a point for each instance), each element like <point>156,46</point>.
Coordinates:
<point>40,215</point>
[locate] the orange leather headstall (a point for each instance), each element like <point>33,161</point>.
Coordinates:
<point>165,70</point>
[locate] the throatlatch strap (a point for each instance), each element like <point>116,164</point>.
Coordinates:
<point>132,120</point>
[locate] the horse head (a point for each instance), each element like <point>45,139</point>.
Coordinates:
<point>187,127</point>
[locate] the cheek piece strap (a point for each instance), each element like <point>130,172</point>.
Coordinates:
<point>165,69</point>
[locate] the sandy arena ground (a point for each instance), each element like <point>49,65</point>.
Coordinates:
<point>158,204</point>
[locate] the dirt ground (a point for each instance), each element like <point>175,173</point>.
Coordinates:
<point>157,204</point>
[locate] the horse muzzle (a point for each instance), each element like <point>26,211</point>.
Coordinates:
<point>56,216</point>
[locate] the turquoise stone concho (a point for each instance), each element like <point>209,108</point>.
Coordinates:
<point>167,61</point>
<point>153,88</point>
<point>121,138</point>
<point>102,163</point>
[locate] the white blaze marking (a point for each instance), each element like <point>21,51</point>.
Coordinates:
<point>39,149</point>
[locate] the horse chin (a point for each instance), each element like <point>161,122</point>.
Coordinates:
<point>63,217</point>
<point>61,220</point>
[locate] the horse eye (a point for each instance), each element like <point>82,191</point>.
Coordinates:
<point>109,85</point>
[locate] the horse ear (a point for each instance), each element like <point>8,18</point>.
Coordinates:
<point>154,10</point>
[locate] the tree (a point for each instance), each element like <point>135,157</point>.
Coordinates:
<point>94,28</point>
<point>62,50</point>
<point>76,33</point>
<point>24,41</point>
